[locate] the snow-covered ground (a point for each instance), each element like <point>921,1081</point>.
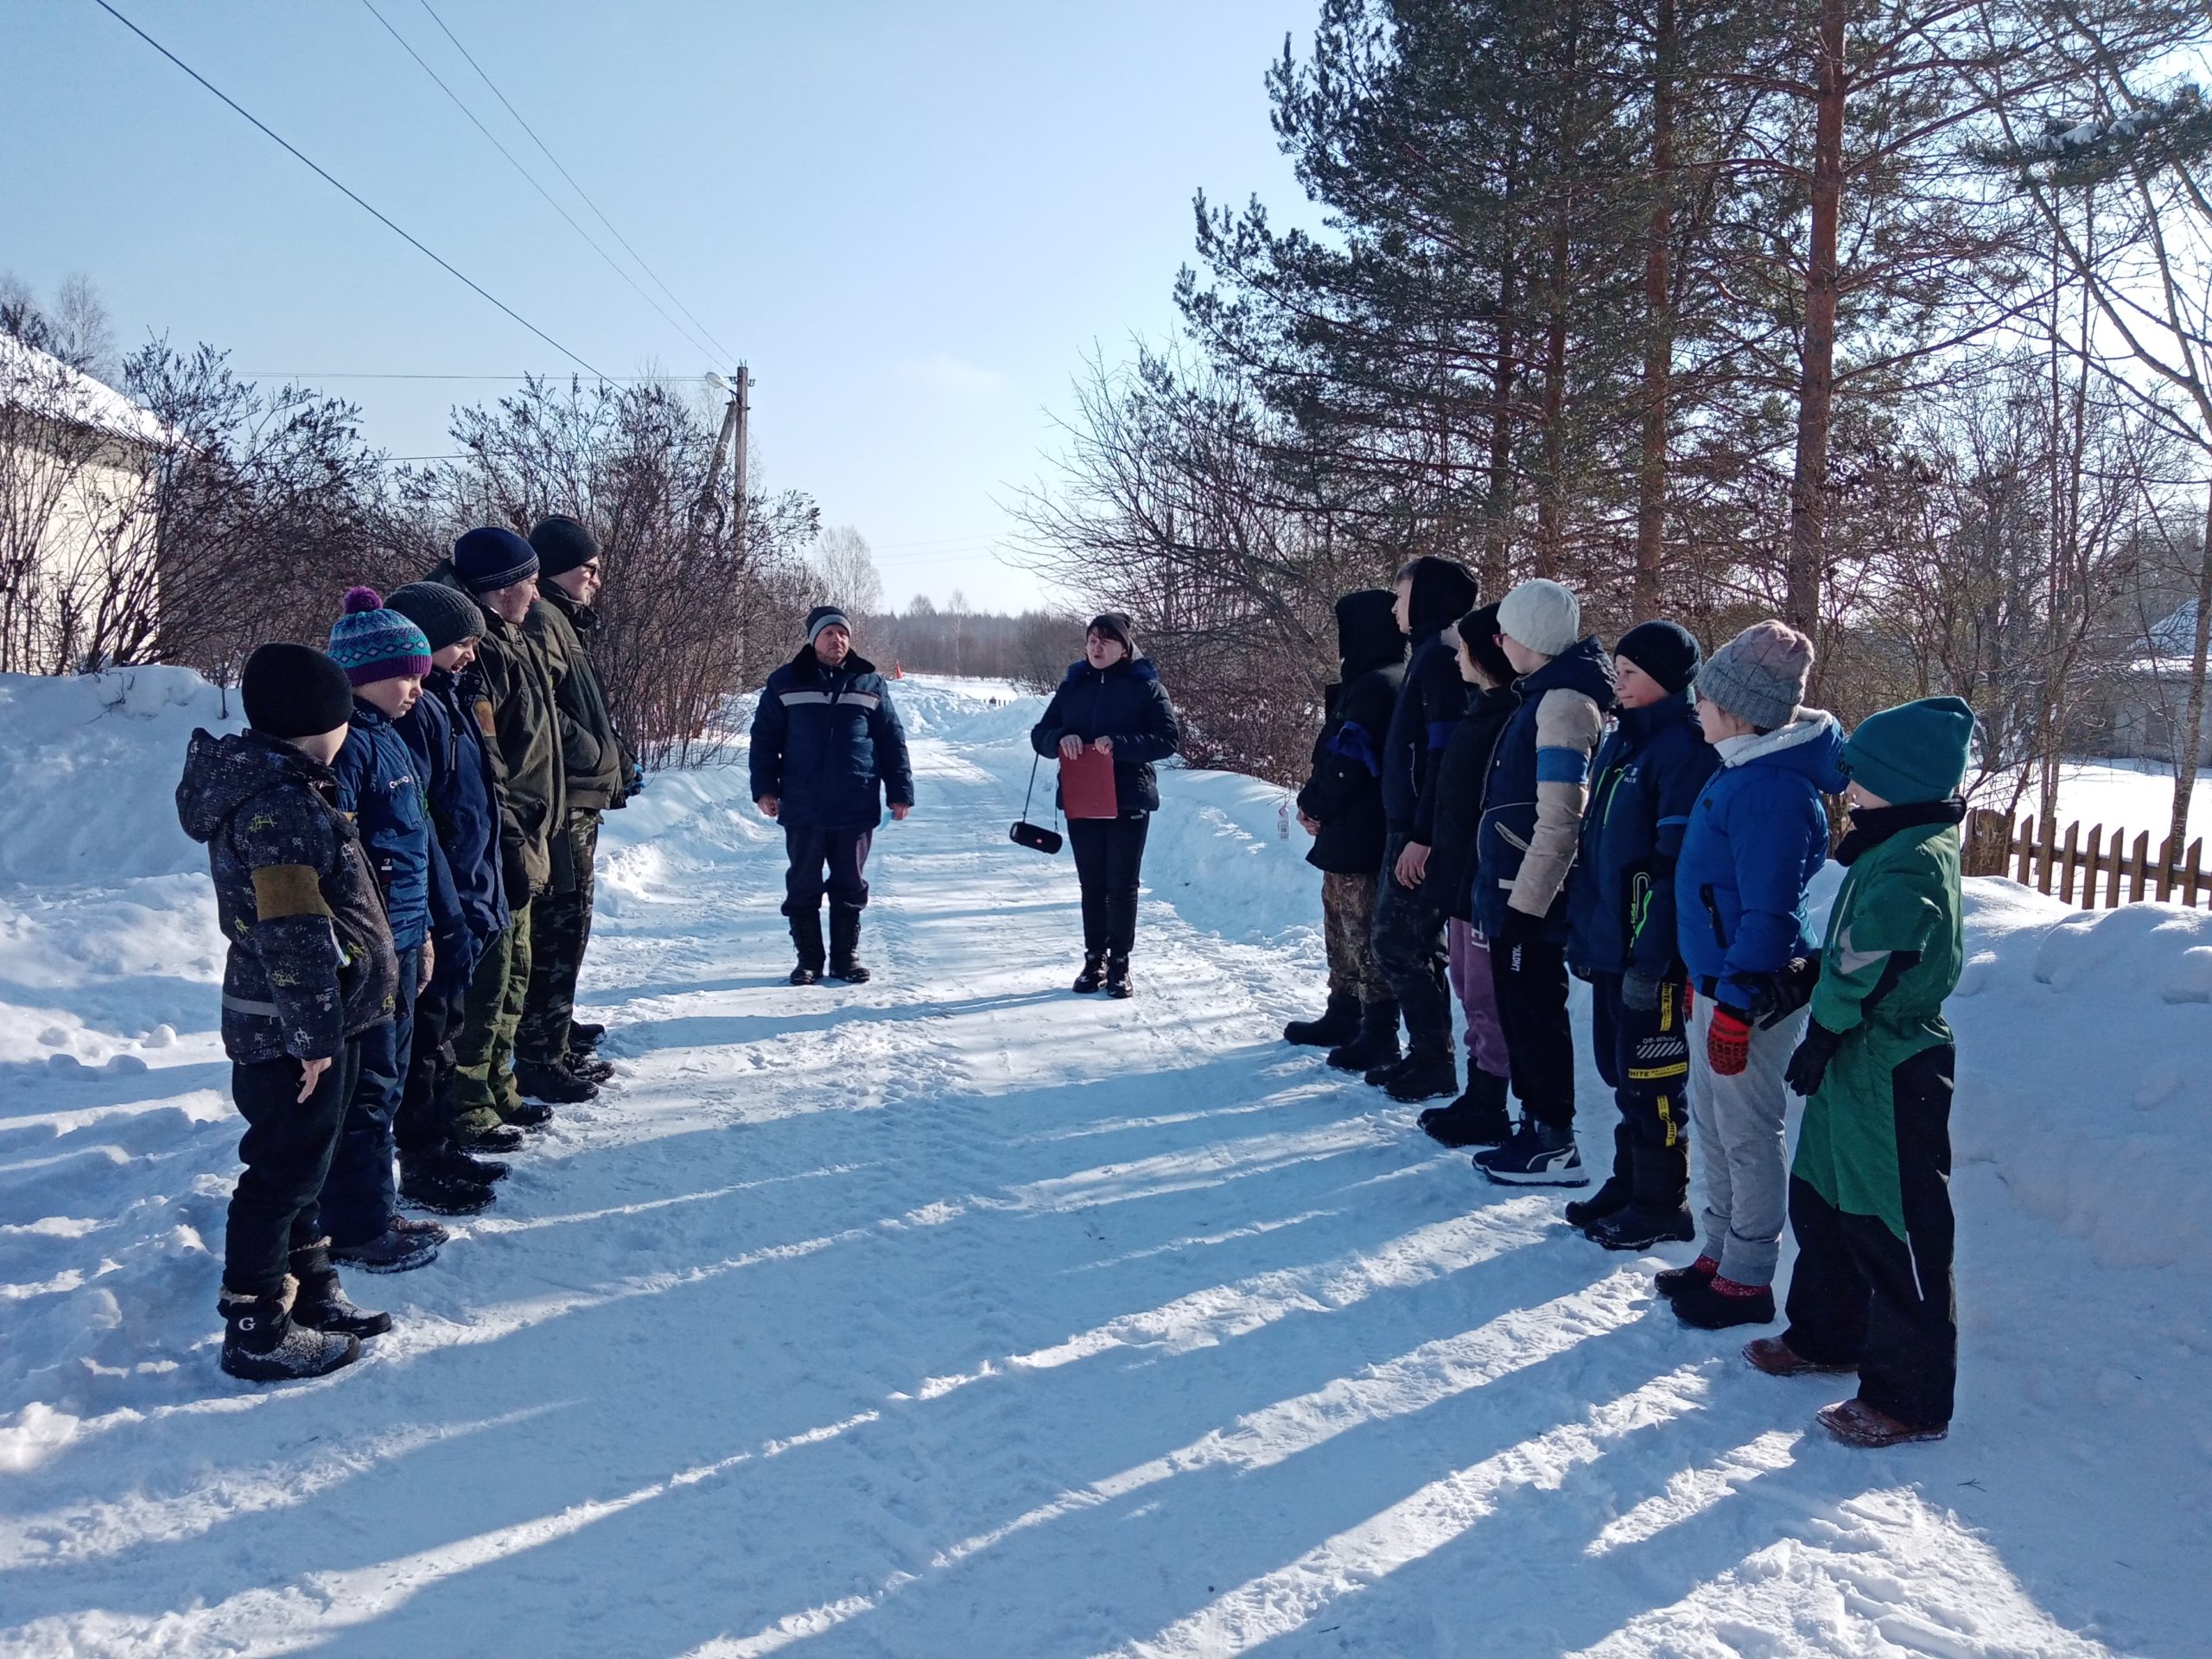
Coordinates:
<point>957,1315</point>
<point>2137,796</point>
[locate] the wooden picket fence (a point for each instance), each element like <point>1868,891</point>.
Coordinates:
<point>2090,869</point>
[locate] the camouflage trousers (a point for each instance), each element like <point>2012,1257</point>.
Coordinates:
<point>484,1047</point>
<point>560,928</point>
<point>1348,924</point>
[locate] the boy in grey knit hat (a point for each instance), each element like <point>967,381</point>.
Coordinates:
<point>1755,839</point>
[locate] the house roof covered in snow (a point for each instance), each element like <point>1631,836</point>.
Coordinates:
<point>43,384</point>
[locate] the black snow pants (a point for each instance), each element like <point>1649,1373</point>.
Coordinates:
<point>1108,861</point>
<point>1862,1296</point>
<point>1531,981</point>
<point>1644,1059</point>
<point>286,1150</point>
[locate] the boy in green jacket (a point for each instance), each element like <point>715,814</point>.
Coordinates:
<point>1870,1196</point>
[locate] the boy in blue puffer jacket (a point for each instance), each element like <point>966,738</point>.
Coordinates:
<point>384,656</point>
<point>1755,839</point>
<point>1621,908</point>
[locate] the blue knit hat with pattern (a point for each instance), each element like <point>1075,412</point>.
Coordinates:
<point>372,644</point>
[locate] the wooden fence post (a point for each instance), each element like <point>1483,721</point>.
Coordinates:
<point>2027,850</point>
<point>2089,868</point>
<point>2140,872</point>
<point>2112,890</point>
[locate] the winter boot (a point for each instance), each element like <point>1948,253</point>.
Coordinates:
<point>1673,1281</point>
<point>1477,1118</point>
<point>320,1305</point>
<point>1654,1214</point>
<point>584,1038</point>
<point>483,1131</point>
<point>844,946</point>
<point>432,1184</point>
<point>419,1227</point>
<point>1618,1190</point>
<point>586,1066</point>
<point>1856,1423</point>
<point>1427,1074</point>
<point>391,1251</point>
<point>1538,1154</point>
<point>262,1345</point>
<point>1117,977</point>
<point>551,1085</point>
<point>1093,975</point>
<point>806,939</point>
<point>1377,1045</point>
<point>1717,1303</point>
<point>486,1170</point>
<point>1777,1358</point>
<point>1338,1025</point>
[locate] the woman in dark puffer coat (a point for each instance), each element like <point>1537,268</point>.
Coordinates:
<point>1111,701</point>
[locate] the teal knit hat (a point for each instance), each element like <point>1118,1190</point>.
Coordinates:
<point>1914,753</point>
<point>372,644</point>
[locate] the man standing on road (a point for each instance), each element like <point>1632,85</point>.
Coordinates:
<point>600,777</point>
<point>827,751</point>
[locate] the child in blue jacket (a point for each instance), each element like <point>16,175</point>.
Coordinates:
<point>1757,836</point>
<point>386,656</point>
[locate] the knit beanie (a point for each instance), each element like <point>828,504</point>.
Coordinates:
<point>1543,615</point>
<point>1914,753</point>
<point>1759,676</point>
<point>1478,631</point>
<point>1668,652</point>
<point>491,558</point>
<point>824,616</point>
<point>446,616</point>
<point>294,691</point>
<point>561,544</point>
<point>1116,626</point>
<point>372,644</point>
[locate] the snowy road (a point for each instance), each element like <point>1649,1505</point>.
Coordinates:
<point>955,1315</point>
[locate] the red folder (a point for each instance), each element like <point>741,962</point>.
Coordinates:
<point>1087,786</point>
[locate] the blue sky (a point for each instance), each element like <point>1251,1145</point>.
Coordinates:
<point>912,221</point>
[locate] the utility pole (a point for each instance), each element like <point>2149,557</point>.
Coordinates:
<point>733,435</point>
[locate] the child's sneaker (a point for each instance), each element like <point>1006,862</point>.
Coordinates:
<point>262,1343</point>
<point>1539,1154</point>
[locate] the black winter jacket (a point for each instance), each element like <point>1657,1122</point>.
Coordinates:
<point>1462,777</point>
<point>1344,792</point>
<point>827,743</point>
<point>1127,703</point>
<point>310,963</point>
<point>1431,702</point>
<point>594,760</point>
<point>462,780</point>
<point>1620,897</point>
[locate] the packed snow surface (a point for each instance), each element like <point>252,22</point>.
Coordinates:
<point>955,1314</point>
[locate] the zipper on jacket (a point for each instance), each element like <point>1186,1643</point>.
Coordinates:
<point>1712,912</point>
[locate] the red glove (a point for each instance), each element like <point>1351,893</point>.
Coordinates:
<point>1728,1044</point>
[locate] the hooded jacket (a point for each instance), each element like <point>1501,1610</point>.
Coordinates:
<point>380,787</point>
<point>518,714</point>
<point>1432,700</point>
<point>1126,703</point>
<point>1755,838</point>
<point>828,746</point>
<point>310,961</point>
<point>1621,897</point>
<point>1538,783</point>
<point>595,760</point>
<point>462,781</point>
<point>1462,779</point>
<point>1344,790</point>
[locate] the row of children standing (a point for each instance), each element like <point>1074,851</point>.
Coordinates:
<point>402,843</point>
<point>1498,803</point>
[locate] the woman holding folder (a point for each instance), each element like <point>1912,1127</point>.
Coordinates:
<point>1108,722</point>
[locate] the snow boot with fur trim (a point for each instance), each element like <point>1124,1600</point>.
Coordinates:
<point>261,1342</point>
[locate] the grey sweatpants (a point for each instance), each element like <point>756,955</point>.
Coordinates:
<point>1736,1135</point>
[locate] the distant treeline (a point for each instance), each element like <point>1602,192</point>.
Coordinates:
<point>1033,649</point>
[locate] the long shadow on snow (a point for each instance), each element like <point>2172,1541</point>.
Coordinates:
<point>33,1087</point>
<point>186,1006</point>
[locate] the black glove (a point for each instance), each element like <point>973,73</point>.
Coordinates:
<point>514,877</point>
<point>1639,993</point>
<point>1810,1065</point>
<point>1777,995</point>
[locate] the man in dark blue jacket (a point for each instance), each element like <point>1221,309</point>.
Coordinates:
<point>1621,915</point>
<point>827,750</point>
<point>1433,593</point>
<point>461,775</point>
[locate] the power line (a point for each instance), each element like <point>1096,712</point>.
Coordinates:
<point>477,287</point>
<point>342,374</point>
<point>726,352</point>
<point>692,340</point>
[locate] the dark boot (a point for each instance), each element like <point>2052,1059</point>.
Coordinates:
<point>1673,1281</point>
<point>1093,975</point>
<point>584,1038</point>
<point>806,939</point>
<point>261,1342</point>
<point>486,1170</point>
<point>844,946</point>
<point>1619,1188</point>
<point>589,1067</point>
<point>320,1305</point>
<point>1376,1044</point>
<point>432,1184</point>
<point>1339,1024</point>
<point>1477,1118</point>
<point>1427,1074</point>
<point>551,1085</point>
<point>1655,1212</point>
<point>1715,1304</point>
<point>392,1251</point>
<point>485,1134</point>
<point>1117,977</point>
